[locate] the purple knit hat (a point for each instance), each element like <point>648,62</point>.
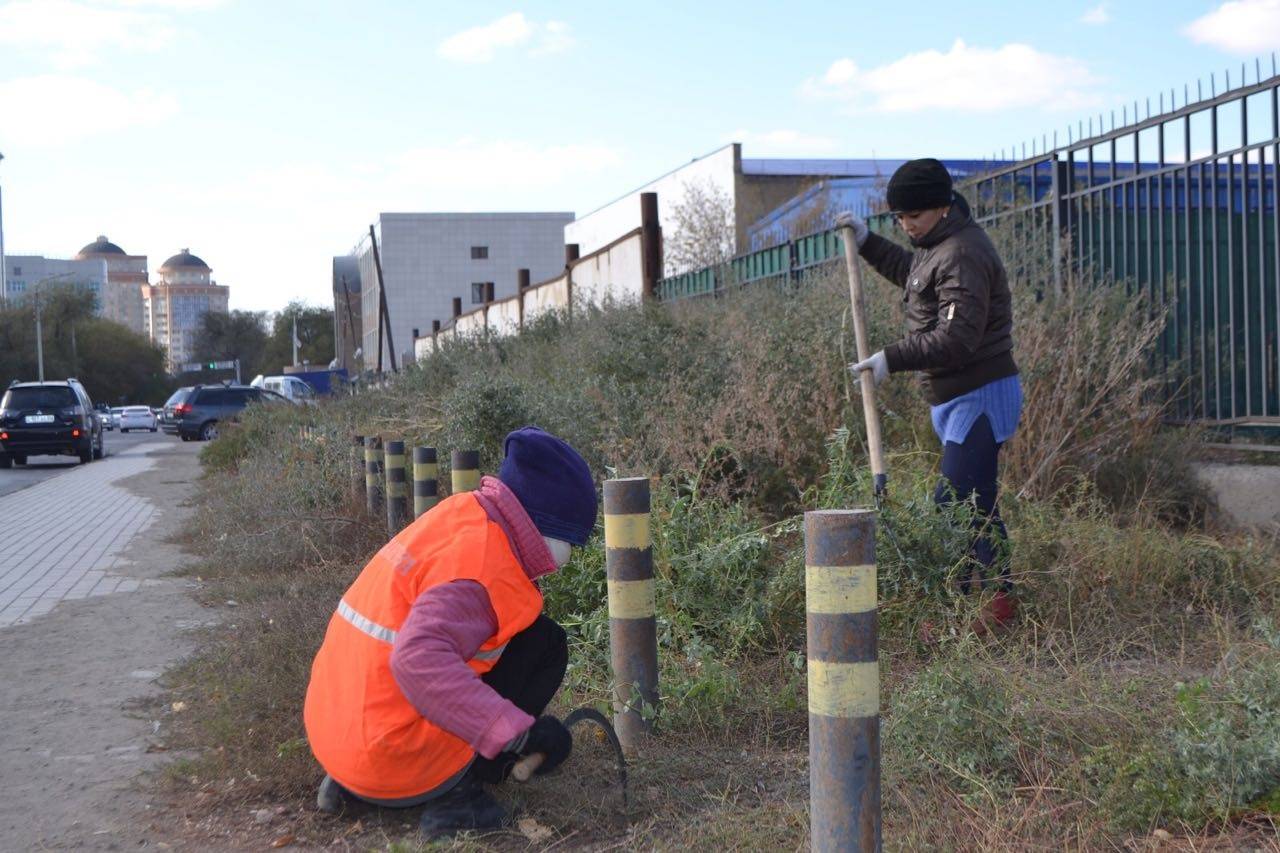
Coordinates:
<point>553,483</point>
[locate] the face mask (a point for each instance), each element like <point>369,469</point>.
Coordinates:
<point>560,550</point>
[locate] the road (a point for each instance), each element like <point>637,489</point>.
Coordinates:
<point>41,468</point>
<point>90,618</point>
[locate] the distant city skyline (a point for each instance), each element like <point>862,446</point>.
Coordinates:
<point>168,123</point>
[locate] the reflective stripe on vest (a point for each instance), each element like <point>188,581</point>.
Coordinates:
<point>364,624</point>
<point>379,632</point>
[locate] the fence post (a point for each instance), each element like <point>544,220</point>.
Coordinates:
<point>844,680</point>
<point>357,466</point>
<point>464,471</point>
<point>397,490</point>
<point>633,635</point>
<point>373,474</point>
<point>425,486</point>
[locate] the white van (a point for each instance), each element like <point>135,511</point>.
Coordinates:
<point>287,386</point>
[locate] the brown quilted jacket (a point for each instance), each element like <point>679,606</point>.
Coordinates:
<point>958,306</point>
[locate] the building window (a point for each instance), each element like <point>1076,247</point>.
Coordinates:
<point>479,253</point>
<point>478,289</point>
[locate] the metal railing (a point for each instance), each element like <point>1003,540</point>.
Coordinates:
<point>1180,206</point>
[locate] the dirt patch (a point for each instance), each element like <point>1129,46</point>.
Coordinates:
<point>80,711</point>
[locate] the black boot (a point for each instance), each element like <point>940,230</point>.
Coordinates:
<point>332,797</point>
<point>466,806</point>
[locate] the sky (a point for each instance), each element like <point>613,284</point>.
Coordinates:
<point>266,135</point>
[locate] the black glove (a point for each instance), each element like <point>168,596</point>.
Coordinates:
<point>548,736</point>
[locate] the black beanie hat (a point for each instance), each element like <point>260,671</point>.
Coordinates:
<point>919,185</point>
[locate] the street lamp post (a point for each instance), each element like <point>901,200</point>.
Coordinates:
<point>4,275</point>
<point>39,332</point>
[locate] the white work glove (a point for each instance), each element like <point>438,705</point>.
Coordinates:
<point>860,230</point>
<point>877,364</point>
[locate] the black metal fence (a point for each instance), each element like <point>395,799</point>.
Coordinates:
<point>1180,206</point>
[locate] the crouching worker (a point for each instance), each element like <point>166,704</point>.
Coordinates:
<point>438,664</point>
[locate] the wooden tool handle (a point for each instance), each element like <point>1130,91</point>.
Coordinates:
<point>869,410</point>
<point>526,766</point>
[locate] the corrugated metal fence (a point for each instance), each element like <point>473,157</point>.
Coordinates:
<point>1180,205</point>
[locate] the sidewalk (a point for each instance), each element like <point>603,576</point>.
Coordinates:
<point>80,665</point>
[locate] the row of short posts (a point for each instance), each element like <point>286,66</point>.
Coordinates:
<point>841,631</point>
<point>380,477</point>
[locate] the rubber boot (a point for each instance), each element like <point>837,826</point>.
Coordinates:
<point>467,807</point>
<point>331,797</point>
<point>997,615</point>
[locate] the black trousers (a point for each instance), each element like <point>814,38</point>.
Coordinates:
<point>969,472</point>
<point>529,673</point>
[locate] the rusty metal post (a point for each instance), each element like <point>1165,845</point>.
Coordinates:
<point>373,474</point>
<point>397,488</point>
<point>426,486</point>
<point>357,466</point>
<point>844,680</point>
<point>650,244</point>
<point>464,471</point>
<point>633,630</point>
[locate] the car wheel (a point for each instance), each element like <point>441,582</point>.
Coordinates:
<point>99,451</point>
<point>123,430</point>
<point>185,437</point>
<point>86,456</point>
<point>209,431</point>
<point>6,461</point>
<point>19,459</point>
<point>153,429</point>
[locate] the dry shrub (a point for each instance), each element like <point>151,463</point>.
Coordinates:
<point>1084,358</point>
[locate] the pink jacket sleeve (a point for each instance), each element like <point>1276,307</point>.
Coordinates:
<point>444,629</point>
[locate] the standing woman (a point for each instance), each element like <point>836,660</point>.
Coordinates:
<point>959,335</point>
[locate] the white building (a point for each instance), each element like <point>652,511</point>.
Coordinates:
<point>429,259</point>
<point>754,188</point>
<point>22,273</point>
<point>175,304</point>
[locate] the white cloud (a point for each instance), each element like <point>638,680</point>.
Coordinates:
<point>964,78</point>
<point>1243,27</point>
<point>73,34</point>
<point>54,109</point>
<point>782,142</point>
<point>481,44</point>
<point>1097,15</point>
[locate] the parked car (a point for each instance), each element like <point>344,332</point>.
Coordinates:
<point>137,417</point>
<point>104,415</point>
<point>48,418</point>
<point>195,412</point>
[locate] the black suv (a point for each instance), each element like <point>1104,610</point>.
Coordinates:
<point>48,418</point>
<point>194,412</point>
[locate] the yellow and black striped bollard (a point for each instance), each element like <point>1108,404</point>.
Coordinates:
<point>633,633</point>
<point>844,680</point>
<point>373,474</point>
<point>426,487</point>
<point>357,467</point>
<point>464,471</point>
<point>397,488</point>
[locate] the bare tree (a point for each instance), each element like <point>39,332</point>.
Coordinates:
<point>702,228</point>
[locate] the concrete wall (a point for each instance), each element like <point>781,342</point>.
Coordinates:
<point>614,273</point>
<point>426,262</point>
<point>598,228</point>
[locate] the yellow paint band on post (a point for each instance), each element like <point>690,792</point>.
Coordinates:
<point>840,589</point>
<point>397,489</point>
<point>426,470</point>
<point>844,689</point>
<point>627,531</point>
<point>465,481</point>
<point>395,460</point>
<point>631,599</point>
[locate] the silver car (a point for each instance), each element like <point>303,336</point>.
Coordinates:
<point>137,417</point>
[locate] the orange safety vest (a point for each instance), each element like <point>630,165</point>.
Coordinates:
<point>360,726</point>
